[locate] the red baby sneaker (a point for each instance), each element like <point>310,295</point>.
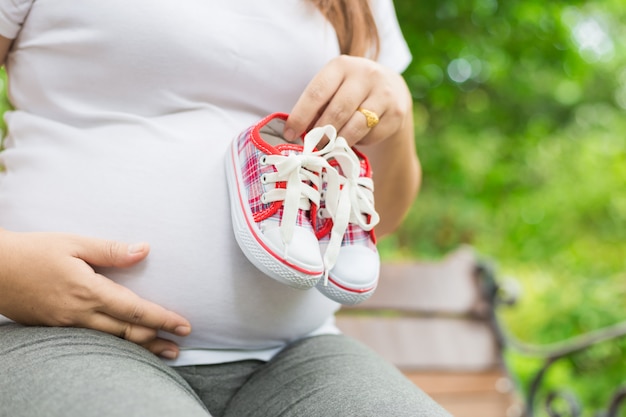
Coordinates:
<point>344,224</point>
<point>272,184</point>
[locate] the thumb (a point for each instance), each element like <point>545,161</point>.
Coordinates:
<point>111,253</point>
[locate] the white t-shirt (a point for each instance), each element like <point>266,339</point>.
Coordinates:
<point>125,110</point>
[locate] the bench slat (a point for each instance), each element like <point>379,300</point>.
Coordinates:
<point>448,286</point>
<point>470,394</point>
<point>429,319</point>
<point>426,343</point>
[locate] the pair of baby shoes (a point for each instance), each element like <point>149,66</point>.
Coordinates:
<point>303,212</point>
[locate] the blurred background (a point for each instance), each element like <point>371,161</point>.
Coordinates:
<point>520,113</point>
<point>520,110</point>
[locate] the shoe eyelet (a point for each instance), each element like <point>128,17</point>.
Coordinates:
<point>263,160</point>
<point>323,194</point>
<point>263,199</point>
<point>264,179</point>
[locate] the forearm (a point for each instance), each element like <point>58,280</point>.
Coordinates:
<point>5,44</point>
<point>397,175</point>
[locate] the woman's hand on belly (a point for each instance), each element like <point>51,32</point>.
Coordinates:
<point>47,279</point>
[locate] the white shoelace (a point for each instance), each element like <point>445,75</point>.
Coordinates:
<point>351,202</point>
<point>302,173</point>
<point>349,198</point>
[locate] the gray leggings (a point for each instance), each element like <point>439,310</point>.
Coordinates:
<point>52,372</point>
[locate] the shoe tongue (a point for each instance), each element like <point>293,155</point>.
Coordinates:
<point>363,166</point>
<point>287,149</point>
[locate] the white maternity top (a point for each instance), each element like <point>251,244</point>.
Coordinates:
<point>124,111</point>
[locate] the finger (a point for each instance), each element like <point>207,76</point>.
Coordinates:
<point>162,347</point>
<point>313,101</point>
<point>356,128</point>
<point>123,304</point>
<point>344,104</point>
<point>131,332</point>
<point>111,253</point>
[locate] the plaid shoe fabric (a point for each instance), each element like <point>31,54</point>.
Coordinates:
<point>344,224</point>
<point>272,184</point>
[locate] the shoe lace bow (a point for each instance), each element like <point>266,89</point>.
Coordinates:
<point>309,177</point>
<point>302,174</point>
<point>349,201</point>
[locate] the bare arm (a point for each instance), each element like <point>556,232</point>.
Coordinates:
<point>397,175</point>
<point>5,44</point>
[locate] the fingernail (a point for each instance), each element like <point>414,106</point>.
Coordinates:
<point>289,134</point>
<point>182,330</point>
<point>169,354</point>
<point>136,248</point>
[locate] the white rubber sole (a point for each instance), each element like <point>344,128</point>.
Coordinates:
<point>258,250</point>
<point>354,276</point>
<point>344,294</point>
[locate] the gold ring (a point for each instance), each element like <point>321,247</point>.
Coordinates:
<point>370,117</point>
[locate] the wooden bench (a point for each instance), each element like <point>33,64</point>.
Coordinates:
<point>433,320</point>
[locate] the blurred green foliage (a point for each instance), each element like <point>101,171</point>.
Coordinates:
<point>520,114</point>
